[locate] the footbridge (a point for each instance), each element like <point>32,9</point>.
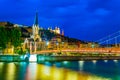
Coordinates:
<point>82,50</point>
<point>108,44</point>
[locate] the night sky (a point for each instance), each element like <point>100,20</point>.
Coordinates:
<point>82,19</point>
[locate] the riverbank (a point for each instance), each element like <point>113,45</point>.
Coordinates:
<point>12,58</point>
<point>43,58</point>
<point>75,58</point>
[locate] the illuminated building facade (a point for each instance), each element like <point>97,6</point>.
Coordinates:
<point>35,30</point>
<point>35,42</point>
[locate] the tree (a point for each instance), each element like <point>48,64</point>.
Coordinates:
<point>10,35</point>
<point>15,37</point>
<point>3,38</point>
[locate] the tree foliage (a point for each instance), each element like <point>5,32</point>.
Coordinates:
<point>3,38</point>
<point>10,35</point>
<point>15,37</point>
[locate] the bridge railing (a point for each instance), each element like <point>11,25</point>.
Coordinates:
<point>82,50</point>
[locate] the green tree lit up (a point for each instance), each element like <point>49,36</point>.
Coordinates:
<point>3,38</point>
<point>11,36</point>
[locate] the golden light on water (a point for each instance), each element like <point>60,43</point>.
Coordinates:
<point>53,73</point>
<point>34,71</point>
<point>1,65</point>
<point>94,61</point>
<point>10,72</point>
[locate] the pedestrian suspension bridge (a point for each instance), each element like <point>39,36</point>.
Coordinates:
<point>109,44</point>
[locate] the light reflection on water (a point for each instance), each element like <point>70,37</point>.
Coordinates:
<point>64,71</point>
<point>94,61</point>
<point>81,64</point>
<point>10,72</point>
<point>116,61</point>
<point>105,61</point>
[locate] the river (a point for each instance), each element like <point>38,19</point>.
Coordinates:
<point>65,70</point>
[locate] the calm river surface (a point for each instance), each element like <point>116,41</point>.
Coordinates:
<point>65,70</point>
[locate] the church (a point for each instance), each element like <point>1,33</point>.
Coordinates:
<point>35,42</point>
<point>36,38</point>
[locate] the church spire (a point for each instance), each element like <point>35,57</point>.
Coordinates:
<point>36,19</point>
<point>35,29</point>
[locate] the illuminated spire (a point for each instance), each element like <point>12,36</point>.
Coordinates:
<point>36,19</point>
<point>35,29</point>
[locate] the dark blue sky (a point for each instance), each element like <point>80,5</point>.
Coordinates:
<point>82,19</point>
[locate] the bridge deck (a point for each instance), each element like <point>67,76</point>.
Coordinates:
<point>82,50</point>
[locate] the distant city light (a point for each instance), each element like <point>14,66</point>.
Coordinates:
<point>47,43</point>
<point>56,43</point>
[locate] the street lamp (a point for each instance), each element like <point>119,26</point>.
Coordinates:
<point>47,43</point>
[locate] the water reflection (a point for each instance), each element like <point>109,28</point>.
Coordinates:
<point>53,73</point>
<point>31,71</point>
<point>105,61</point>
<point>75,70</point>
<point>1,70</point>
<point>1,65</point>
<point>10,72</point>
<point>94,61</point>
<point>116,61</point>
<point>81,64</point>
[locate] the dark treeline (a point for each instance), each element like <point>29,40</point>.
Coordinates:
<point>11,36</point>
